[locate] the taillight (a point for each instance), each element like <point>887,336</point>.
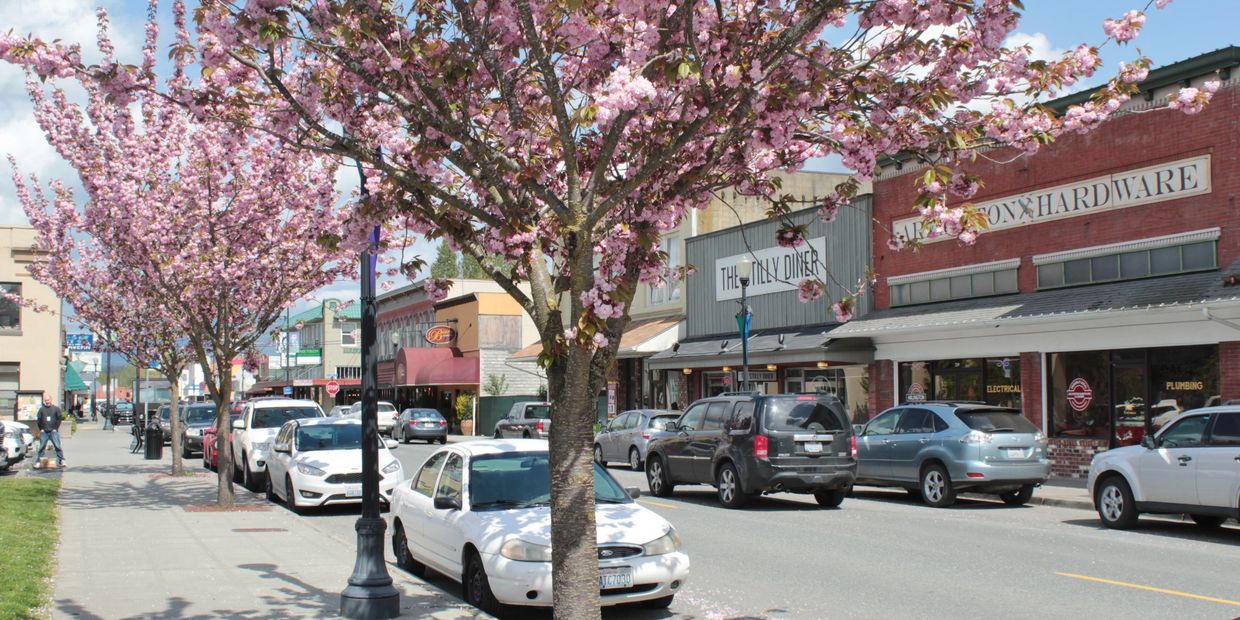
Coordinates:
<point>761,446</point>
<point>975,437</point>
<point>645,434</point>
<point>443,422</point>
<point>853,445</point>
<point>542,426</point>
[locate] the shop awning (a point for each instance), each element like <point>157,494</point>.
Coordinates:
<point>767,347</point>
<point>641,338</point>
<point>73,381</point>
<point>434,366</point>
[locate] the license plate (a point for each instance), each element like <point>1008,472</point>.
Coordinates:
<point>1016,453</point>
<point>813,446</point>
<point>612,578</point>
<point>353,491</point>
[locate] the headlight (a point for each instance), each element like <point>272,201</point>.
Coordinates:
<point>667,543</point>
<point>522,551</point>
<point>310,470</point>
<point>392,467</point>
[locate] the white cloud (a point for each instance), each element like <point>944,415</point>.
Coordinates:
<point>1039,44</point>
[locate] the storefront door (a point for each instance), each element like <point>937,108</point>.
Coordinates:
<point>1130,387</point>
<point>958,384</point>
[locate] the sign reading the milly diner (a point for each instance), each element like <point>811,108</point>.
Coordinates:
<point>1168,181</point>
<point>775,270</point>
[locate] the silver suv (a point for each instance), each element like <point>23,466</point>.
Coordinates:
<point>935,449</point>
<point>628,434</point>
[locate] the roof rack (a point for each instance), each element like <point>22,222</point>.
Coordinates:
<point>744,393</point>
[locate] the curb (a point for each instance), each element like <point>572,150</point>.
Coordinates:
<point>1058,502</point>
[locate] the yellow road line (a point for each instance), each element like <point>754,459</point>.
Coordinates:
<point>659,504</point>
<point>1137,586</point>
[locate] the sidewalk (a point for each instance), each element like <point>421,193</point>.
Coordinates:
<point>1061,492</point>
<point>132,545</point>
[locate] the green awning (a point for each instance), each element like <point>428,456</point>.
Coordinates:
<point>73,381</point>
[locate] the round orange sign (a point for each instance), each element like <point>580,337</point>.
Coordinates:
<point>440,334</point>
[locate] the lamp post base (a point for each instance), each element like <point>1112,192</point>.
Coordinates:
<point>370,595</point>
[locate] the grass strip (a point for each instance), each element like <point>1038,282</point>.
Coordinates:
<point>28,534</point>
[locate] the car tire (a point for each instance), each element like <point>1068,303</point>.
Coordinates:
<point>185,452</point>
<point>443,440</point>
<point>525,435</point>
<point>477,588</point>
<point>657,480</point>
<point>1019,497</point>
<point>270,491</point>
<point>249,479</point>
<point>237,468</point>
<point>290,498</point>
<point>662,602</point>
<point>598,455</point>
<point>635,459</point>
<point>1116,507</point>
<point>728,487</point>
<point>831,498</point>
<point>404,558</point>
<point>498,435</point>
<point>936,487</point>
<point>1208,522</point>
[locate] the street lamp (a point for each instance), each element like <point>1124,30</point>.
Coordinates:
<point>370,593</point>
<point>744,269</point>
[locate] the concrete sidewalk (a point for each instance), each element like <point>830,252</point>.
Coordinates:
<point>1061,492</point>
<point>135,543</point>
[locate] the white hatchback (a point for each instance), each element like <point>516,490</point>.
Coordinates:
<point>479,512</point>
<point>318,461</point>
<point>1191,466</point>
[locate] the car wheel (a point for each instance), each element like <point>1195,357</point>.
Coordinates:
<point>443,440</point>
<point>635,459</point>
<point>249,479</point>
<point>1116,508</point>
<point>728,484</point>
<point>185,453</point>
<point>400,548</point>
<point>1019,497</point>
<point>657,479</point>
<point>525,435</point>
<point>598,455</point>
<point>1208,521</point>
<point>270,492</point>
<point>831,498</point>
<point>936,487</point>
<point>478,588</point>
<point>237,468</point>
<point>660,603</point>
<point>290,498</point>
<point>498,435</point>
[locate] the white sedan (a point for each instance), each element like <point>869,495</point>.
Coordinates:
<point>479,512</point>
<point>318,461</point>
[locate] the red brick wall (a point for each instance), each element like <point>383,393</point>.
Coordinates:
<point>1229,363</point>
<point>1070,457</point>
<point>1031,387</point>
<point>1124,143</point>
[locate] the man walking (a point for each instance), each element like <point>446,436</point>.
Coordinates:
<point>49,429</point>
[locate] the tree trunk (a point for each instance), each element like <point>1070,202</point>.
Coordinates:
<point>174,419</point>
<point>225,495</point>
<point>573,553</point>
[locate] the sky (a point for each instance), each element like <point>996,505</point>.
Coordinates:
<point>1184,29</point>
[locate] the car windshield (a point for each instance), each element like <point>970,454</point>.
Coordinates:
<point>273,417</point>
<point>786,414</point>
<point>659,423</point>
<point>329,437</point>
<point>426,414</point>
<point>164,412</point>
<point>387,407</point>
<point>996,421</point>
<point>522,480</point>
<point>124,406</point>
<point>541,412</point>
<point>199,415</point>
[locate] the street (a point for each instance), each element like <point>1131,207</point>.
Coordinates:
<point>885,555</point>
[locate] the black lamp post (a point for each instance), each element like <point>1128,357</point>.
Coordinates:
<point>744,269</point>
<point>109,422</point>
<point>370,593</point>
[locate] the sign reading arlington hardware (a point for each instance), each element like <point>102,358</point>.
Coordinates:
<point>775,269</point>
<point>1167,181</point>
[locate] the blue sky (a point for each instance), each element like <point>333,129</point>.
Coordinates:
<point>1184,29</point>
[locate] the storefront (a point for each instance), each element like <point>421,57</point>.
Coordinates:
<point>994,380</point>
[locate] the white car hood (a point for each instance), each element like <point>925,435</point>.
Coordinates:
<point>615,523</point>
<point>341,461</point>
<point>16,426</point>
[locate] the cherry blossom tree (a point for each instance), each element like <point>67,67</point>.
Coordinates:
<point>197,230</point>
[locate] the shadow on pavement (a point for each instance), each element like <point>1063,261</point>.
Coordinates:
<point>1167,527</point>
<point>900,496</point>
<point>140,490</point>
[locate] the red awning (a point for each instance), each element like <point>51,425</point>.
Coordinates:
<point>434,366</point>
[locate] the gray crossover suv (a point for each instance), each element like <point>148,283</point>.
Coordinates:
<point>935,449</point>
<point>627,435</point>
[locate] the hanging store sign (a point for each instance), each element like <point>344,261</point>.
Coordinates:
<point>440,334</point>
<point>775,270</point>
<point>1168,181</point>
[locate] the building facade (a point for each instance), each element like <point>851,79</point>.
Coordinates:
<point>1102,300</point>
<point>319,346</point>
<point>31,349</point>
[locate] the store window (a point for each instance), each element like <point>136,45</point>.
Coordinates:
<point>851,384</point>
<point>670,291</point>
<point>10,381</point>
<point>1080,398</point>
<point>10,312</point>
<point>994,380</point>
<point>931,289</point>
<point>717,383</point>
<point>1185,258</point>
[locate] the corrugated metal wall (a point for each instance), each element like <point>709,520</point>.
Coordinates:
<point>848,253</point>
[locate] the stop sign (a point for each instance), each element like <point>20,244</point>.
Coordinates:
<point>332,388</point>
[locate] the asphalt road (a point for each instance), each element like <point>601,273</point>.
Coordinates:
<point>884,555</point>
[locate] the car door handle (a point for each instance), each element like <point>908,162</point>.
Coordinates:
<point>1185,459</point>
<point>1238,458</point>
<point>923,441</point>
<point>886,441</point>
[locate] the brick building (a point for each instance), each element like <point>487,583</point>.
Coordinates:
<point>1103,299</point>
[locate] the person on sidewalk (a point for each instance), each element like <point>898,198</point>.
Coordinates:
<point>49,429</point>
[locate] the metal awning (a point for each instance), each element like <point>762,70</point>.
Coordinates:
<point>767,347</point>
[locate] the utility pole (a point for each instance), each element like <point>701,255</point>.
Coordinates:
<point>288,346</point>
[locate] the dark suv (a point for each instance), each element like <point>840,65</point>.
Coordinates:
<point>747,444</point>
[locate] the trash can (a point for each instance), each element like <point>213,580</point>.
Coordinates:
<point>154,443</point>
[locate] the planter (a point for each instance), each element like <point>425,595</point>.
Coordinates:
<point>467,427</point>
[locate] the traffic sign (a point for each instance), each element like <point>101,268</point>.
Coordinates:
<point>333,388</point>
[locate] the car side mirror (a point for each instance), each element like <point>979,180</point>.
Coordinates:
<point>390,443</point>
<point>237,425</point>
<point>447,503</point>
<point>281,447</point>
<point>634,492</point>
<point>1149,442</point>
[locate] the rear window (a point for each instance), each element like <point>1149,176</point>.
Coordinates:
<point>785,414</point>
<point>659,423</point>
<point>542,412</point>
<point>425,414</point>
<point>996,421</point>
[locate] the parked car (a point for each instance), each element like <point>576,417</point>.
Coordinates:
<point>526,419</point>
<point>165,422</point>
<point>338,410</point>
<point>1191,466</point>
<point>318,461</point>
<point>124,412</point>
<point>936,449</point>
<point>13,448</point>
<point>747,444</point>
<point>420,423</point>
<point>260,420</point>
<point>386,416</point>
<point>479,513</point>
<point>626,436</point>
<point>210,458</point>
<point>196,418</point>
